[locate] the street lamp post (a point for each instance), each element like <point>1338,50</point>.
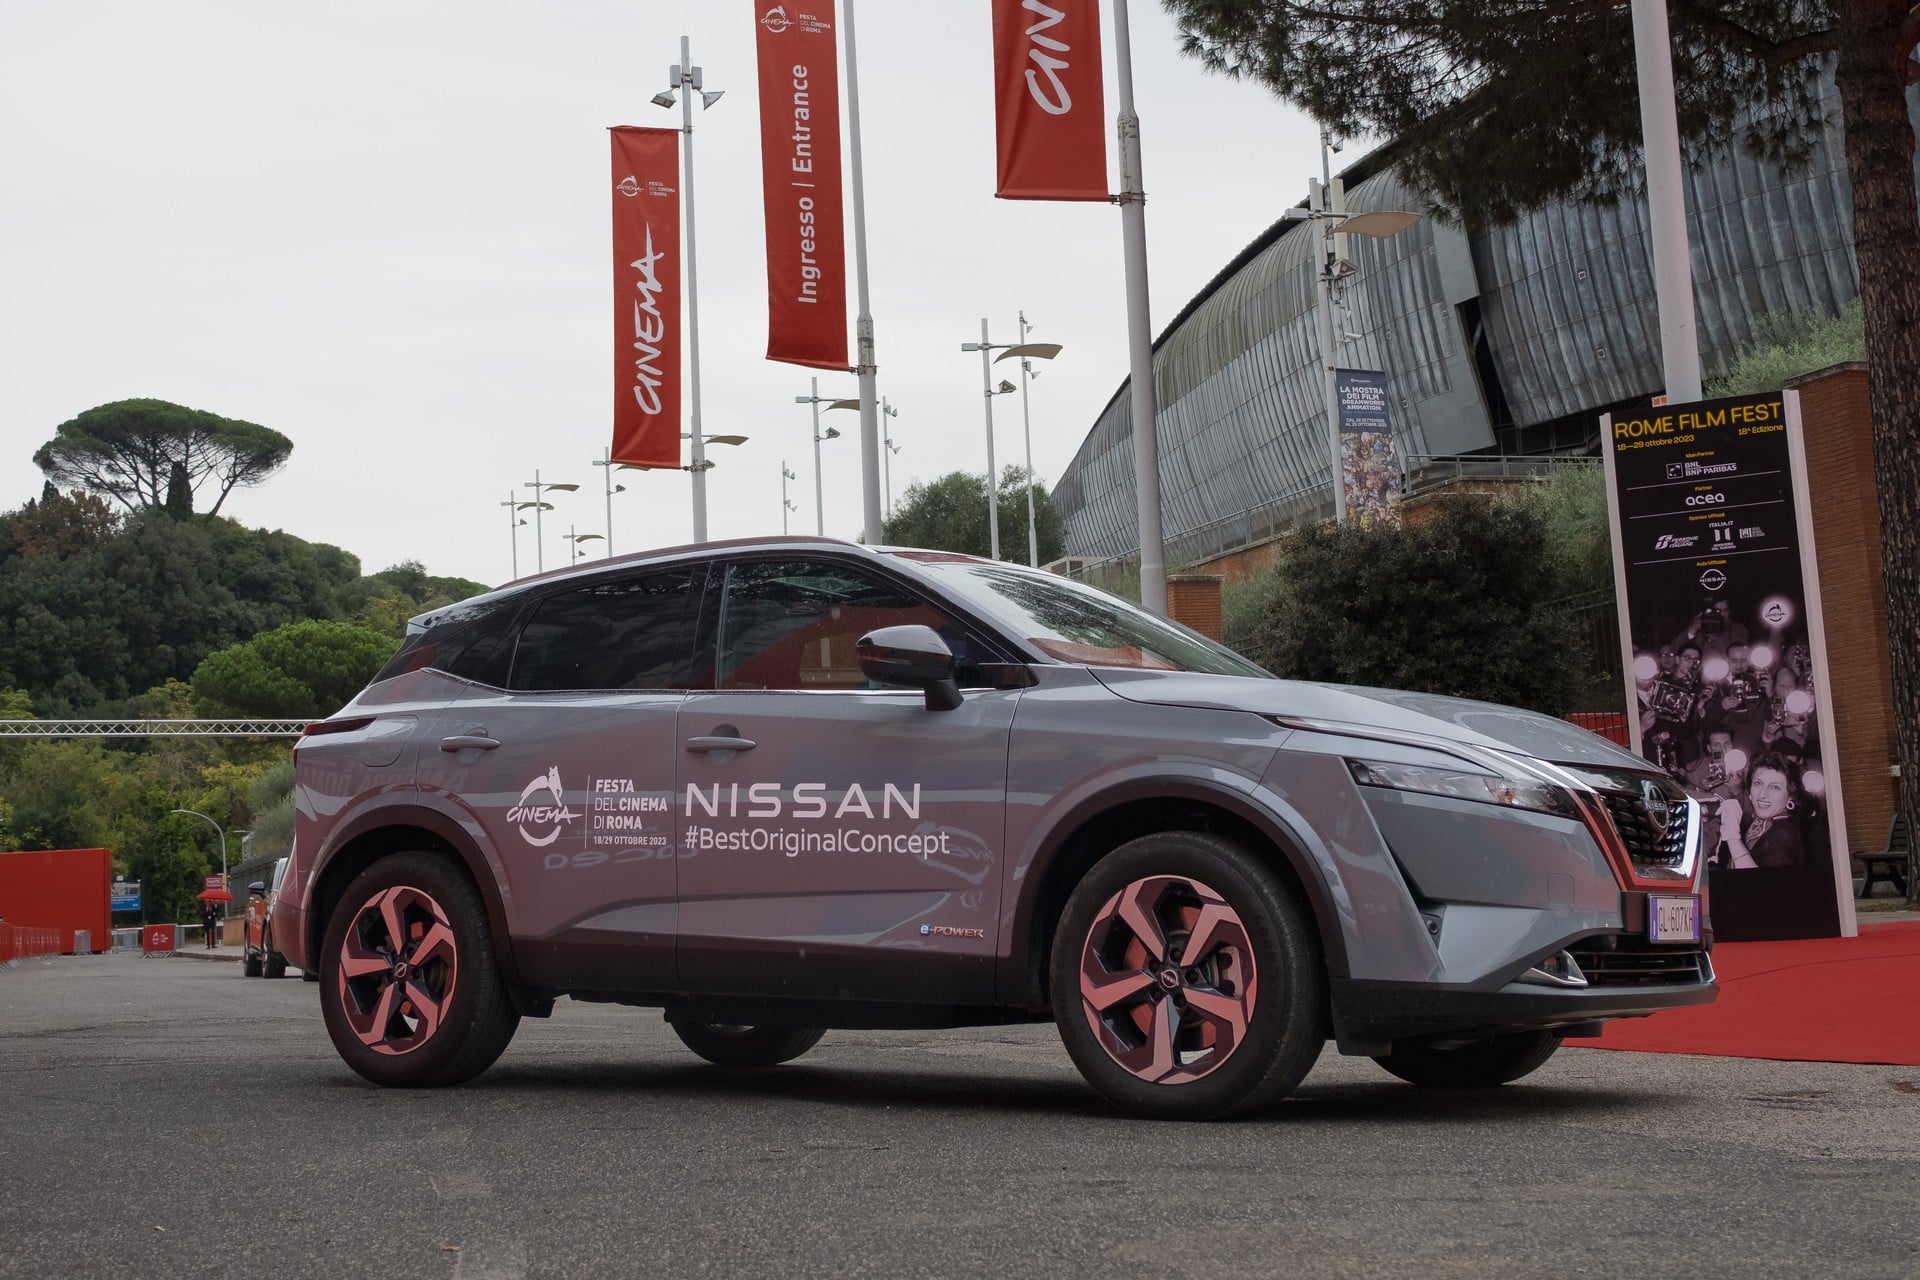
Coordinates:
<point>699,467</point>
<point>887,449</point>
<point>576,539</point>
<point>687,78</point>
<point>1326,207</point>
<point>539,504</point>
<point>831,433</point>
<point>1025,351</point>
<point>985,348</point>
<point>606,461</point>
<point>514,525</point>
<point>222,833</point>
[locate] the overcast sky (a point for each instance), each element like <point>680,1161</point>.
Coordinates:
<point>382,229</point>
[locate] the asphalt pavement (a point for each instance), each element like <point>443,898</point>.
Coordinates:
<point>172,1118</point>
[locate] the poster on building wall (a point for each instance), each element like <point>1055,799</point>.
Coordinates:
<point>1369,471</point>
<point>1725,652</point>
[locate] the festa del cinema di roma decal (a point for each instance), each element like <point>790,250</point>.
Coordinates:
<point>618,818</point>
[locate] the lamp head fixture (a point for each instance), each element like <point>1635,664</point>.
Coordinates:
<point>831,433</point>
<point>1005,388</point>
<point>708,99</point>
<point>1035,350</point>
<point>664,98</point>
<point>787,473</point>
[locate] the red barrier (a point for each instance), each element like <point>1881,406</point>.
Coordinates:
<point>18,942</point>
<point>157,939</point>
<point>1611,725</point>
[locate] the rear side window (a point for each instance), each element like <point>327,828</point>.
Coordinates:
<point>465,639</point>
<point>619,633</point>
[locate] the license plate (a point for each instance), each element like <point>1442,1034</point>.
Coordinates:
<point>1673,919</point>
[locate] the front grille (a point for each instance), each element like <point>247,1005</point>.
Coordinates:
<point>1619,960</point>
<point>1624,793</point>
<point>1647,845</point>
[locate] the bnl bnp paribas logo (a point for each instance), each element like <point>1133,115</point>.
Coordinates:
<point>541,820</point>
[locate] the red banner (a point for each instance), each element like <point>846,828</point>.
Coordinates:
<point>646,296</point>
<point>1049,107</point>
<point>800,167</point>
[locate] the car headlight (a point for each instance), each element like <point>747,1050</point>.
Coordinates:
<point>1512,788</point>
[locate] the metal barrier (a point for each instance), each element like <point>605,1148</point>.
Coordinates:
<point>18,942</point>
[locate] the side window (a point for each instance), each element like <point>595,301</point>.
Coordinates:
<point>793,624</point>
<point>467,639</point>
<point>619,633</point>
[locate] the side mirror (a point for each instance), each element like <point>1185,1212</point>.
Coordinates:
<point>915,657</point>
<point>257,887</point>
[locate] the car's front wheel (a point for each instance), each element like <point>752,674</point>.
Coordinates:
<point>409,985</point>
<point>727,1045</point>
<point>1473,1064</point>
<point>1186,979</point>
<point>250,963</point>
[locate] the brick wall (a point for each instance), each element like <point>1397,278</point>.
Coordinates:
<point>1846,530</point>
<point>1193,600</point>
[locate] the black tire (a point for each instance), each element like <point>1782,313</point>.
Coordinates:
<point>1255,993</point>
<point>735,1046</point>
<point>1477,1064</point>
<point>454,973</point>
<point>250,965</point>
<point>274,966</point>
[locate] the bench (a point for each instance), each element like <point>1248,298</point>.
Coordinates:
<point>1893,862</point>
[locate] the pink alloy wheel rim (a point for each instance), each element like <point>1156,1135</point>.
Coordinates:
<point>398,966</point>
<point>1167,979</point>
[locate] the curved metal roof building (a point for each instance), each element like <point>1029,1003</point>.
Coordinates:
<point>1516,336</point>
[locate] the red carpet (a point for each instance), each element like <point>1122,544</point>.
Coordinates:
<point>1826,1000</point>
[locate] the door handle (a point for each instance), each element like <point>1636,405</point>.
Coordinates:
<point>717,742</point>
<point>462,742</point>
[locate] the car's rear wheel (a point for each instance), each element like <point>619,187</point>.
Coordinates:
<point>1472,1064</point>
<point>727,1045</point>
<point>409,985</point>
<point>1187,981</point>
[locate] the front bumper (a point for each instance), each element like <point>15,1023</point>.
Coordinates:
<point>1370,1016</point>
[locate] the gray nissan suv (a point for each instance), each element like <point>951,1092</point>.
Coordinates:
<point>779,786</point>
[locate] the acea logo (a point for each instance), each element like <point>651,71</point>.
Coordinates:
<point>540,823</point>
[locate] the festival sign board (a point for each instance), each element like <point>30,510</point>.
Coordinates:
<point>1725,651</point>
<point>1368,470</point>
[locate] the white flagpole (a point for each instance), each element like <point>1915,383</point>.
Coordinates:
<point>1133,232</point>
<point>863,324</point>
<point>1666,202</point>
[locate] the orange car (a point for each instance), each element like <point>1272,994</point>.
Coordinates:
<point>258,958</point>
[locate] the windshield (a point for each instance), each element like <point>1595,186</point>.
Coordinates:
<point>1071,622</point>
